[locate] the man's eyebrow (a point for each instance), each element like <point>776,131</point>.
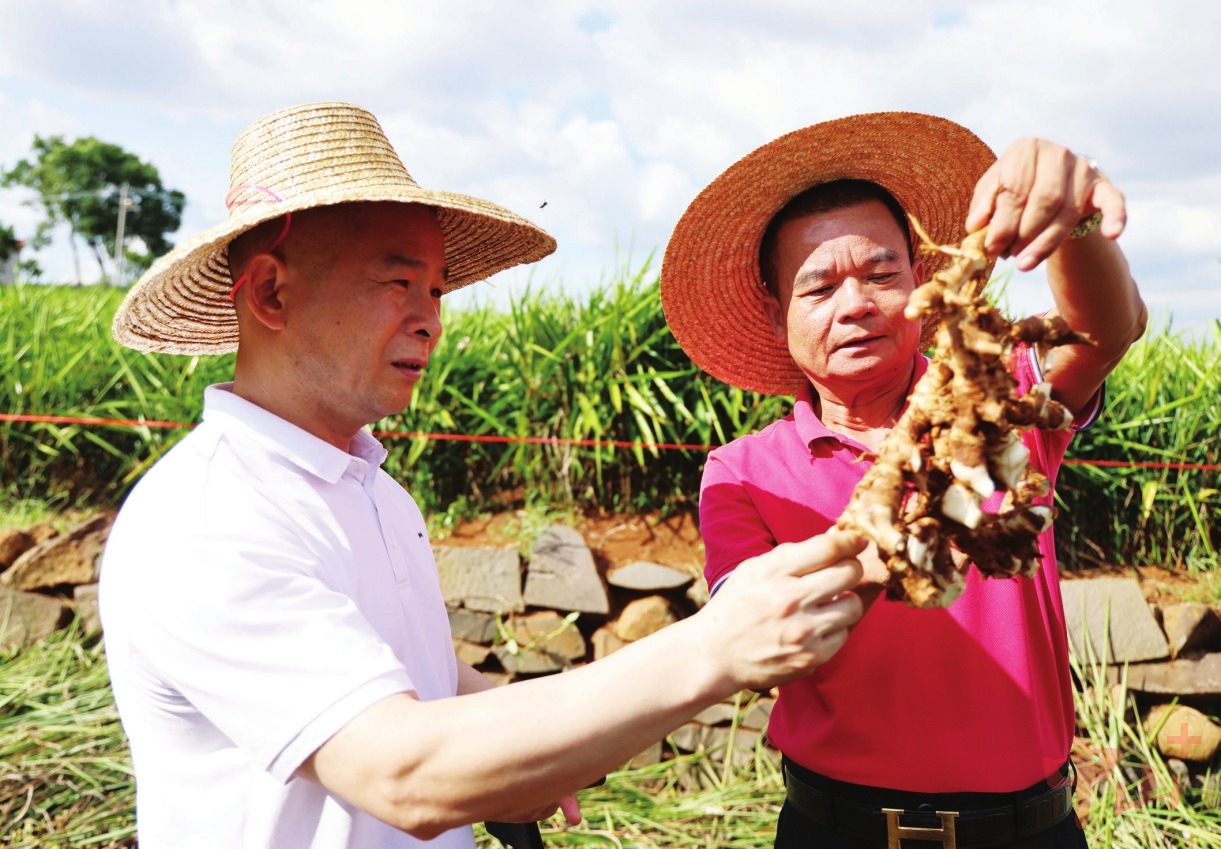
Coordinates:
<point>391,261</point>
<point>817,275</point>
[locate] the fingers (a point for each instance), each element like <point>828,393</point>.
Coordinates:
<point>835,547</point>
<point>782,613</point>
<point>836,616</point>
<point>1034,195</point>
<point>572,810</point>
<point>825,566</point>
<point>820,633</point>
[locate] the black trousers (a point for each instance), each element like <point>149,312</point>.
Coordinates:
<point>794,831</point>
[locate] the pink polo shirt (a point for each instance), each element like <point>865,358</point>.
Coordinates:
<point>975,697</point>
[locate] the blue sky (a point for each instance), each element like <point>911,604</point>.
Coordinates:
<point>617,114</point>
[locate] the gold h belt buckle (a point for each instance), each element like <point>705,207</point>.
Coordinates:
<point>896,831</point>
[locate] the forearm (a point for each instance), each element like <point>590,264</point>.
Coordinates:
<point>1095,293</point>
<point>528,743</point>
<point>429,766</point>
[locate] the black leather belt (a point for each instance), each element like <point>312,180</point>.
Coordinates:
<point>976,828</point>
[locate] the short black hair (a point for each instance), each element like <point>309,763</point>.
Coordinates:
<point>825,197</point>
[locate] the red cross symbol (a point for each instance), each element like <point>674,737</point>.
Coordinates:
<point>1183,739</point>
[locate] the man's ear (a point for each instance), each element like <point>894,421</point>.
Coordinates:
<point>776,315</point>
<point>264,290</point>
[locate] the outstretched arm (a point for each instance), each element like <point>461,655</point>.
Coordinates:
<point>1031,199</point>
<point>429,766</point>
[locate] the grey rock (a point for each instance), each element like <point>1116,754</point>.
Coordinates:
<point>647,576</point>
<point>691,736</point>
<point>70,558</point>
<point>562,574</point>
<point>758,714</point>
<point>1134,635</point>
<point>26,618</point>
<point>527,661</point>
<point>694,737</point>
<point>649,757</point>
<point>1190,626</point>
<point>472,625</point>
<point>1182,677</point>
<point>85,600</point>
<point>486,578</point>
<point>543,643</point>
<point>547,631</point>
<point>721,713</point>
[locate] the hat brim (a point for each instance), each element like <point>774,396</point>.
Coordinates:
<point>181,305</point>
<point>711,289</point>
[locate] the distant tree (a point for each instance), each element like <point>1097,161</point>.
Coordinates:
<point>80,184</point>
<point>8,242</point>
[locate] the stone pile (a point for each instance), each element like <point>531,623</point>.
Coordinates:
<point>516,617</point>
<point>1163,660</point>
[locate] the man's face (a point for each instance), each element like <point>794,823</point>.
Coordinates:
<point>843,280</point>
<point>368,317</point>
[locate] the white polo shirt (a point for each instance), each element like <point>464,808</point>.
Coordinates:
<point>261,588</point>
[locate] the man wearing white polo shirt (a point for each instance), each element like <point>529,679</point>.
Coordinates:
<point>278,644</point>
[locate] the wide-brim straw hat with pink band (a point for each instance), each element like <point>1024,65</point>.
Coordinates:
<point>711,288</point>
<point>314,155</point>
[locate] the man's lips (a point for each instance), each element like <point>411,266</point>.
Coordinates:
<point>411,365</point>
<point>858,342</point>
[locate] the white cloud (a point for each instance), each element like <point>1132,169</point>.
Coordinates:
<point>617,114</point>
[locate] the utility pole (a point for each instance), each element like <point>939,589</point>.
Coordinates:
<point>119,258</point>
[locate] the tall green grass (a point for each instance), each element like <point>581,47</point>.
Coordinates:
<point>599,367</point>
<point>59,360</point>
<point>1163,405</point>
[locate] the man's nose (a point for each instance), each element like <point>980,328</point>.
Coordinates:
<point>856,299</point>
<point>425,317</point>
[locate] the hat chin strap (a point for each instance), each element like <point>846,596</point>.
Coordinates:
<point>288,220</point>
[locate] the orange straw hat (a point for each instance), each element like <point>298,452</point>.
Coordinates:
<point>307,156</point>
<point>711,287</point>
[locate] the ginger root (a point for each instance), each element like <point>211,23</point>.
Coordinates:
<point>958,442</point>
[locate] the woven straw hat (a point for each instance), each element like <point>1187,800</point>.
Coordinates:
<point>711,287</point>
<point>303,157</point>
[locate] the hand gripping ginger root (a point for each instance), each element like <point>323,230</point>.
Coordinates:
<point>958,442</point>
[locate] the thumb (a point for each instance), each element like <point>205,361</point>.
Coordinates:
<point>1110,202</point>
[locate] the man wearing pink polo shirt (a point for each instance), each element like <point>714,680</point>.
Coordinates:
<point>789,275</point>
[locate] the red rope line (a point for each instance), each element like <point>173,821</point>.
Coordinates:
<point>552,440</point>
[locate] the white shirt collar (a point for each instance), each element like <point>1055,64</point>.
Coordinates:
<point>294,444</point>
